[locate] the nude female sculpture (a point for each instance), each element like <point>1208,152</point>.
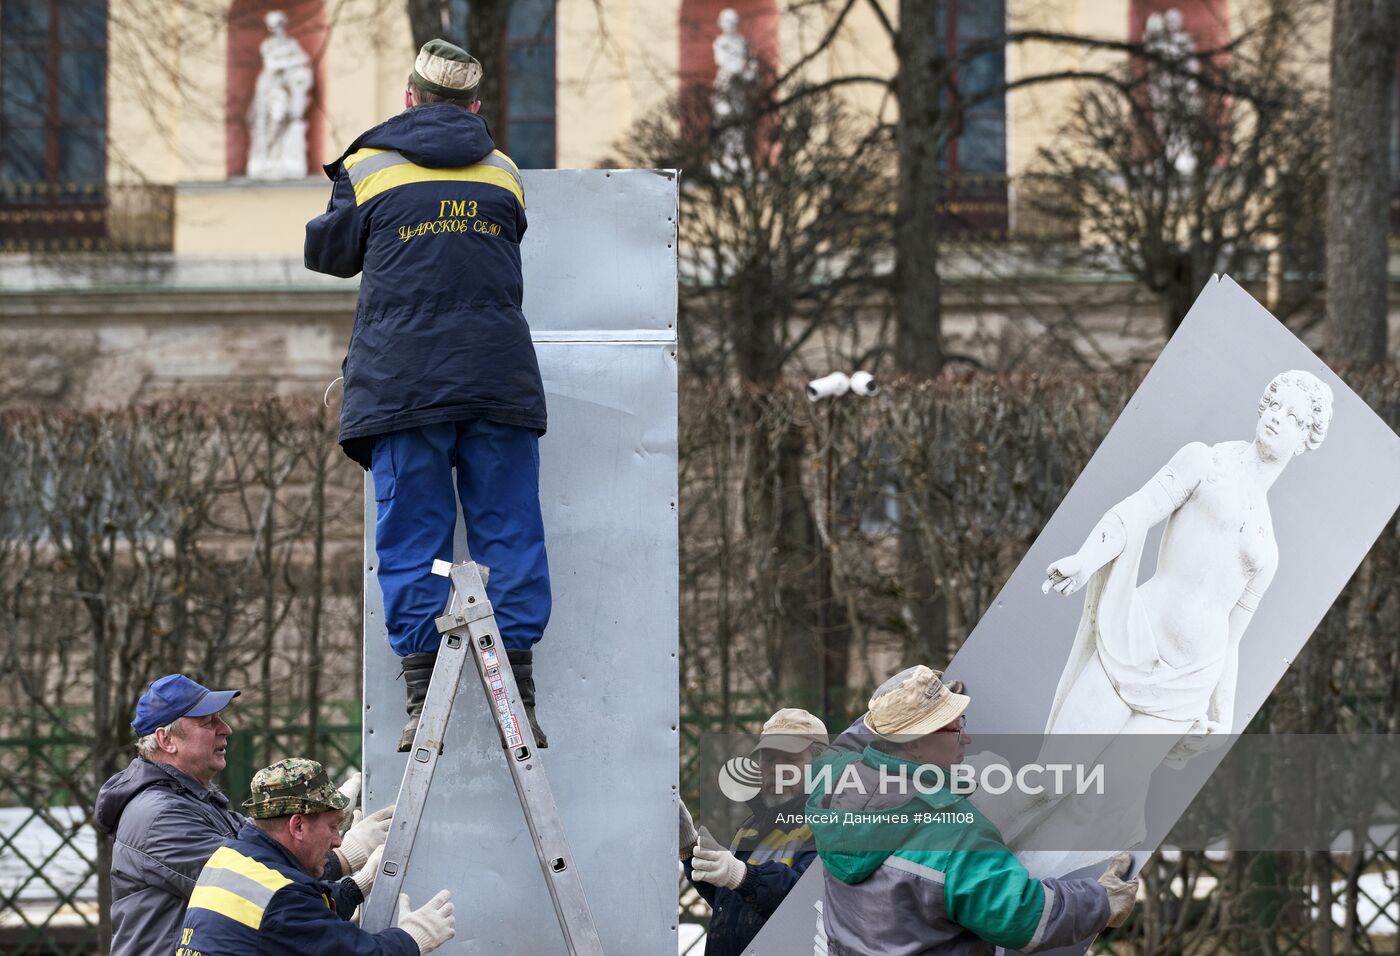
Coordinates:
<point>1163,657</point>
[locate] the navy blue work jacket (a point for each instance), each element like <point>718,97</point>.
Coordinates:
<point>776,852</point>
<point>433,214</point>
<point>252,899</point>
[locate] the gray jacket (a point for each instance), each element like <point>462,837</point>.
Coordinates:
<point>931,875</point>
<point>165,826</point>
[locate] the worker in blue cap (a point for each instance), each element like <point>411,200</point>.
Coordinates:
<point>166,818</point>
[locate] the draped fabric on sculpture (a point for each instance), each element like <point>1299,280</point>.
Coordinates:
<point>1116,625</point>
<point>277,115</point>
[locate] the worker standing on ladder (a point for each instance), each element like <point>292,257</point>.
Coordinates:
<point>441,372</point>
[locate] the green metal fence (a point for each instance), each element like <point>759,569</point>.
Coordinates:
<point>49,850</point>
<point>1195,903</point>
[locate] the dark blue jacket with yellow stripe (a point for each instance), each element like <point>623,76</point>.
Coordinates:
<point>432,213</point>
<point>776,851</point>
<point>254,900</point>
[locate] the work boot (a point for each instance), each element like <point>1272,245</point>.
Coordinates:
<point>522,664</point>
<point>417,673</point>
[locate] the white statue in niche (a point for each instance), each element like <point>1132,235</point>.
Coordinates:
<point>1173,92</point>
<point>1162,657</point>
<point>733,61</point>
<point>735,71</point>
<point>277,115</point>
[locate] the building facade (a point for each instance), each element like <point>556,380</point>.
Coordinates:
<point>157,168</point>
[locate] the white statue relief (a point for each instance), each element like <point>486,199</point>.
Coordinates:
<point>277,115</point>
<point>735,72</point>
<point>1173,92</point>
<point>1162,657</point>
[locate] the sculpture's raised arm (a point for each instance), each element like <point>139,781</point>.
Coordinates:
<point>1163,493</point>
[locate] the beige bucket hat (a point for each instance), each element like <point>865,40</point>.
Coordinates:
<point>913,703</point>
<point>791,730</point>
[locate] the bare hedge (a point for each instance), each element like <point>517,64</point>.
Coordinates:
<point>822,546</point>
<point>972,466</point>
<point>213,539</point>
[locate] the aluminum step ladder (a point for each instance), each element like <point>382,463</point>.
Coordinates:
<point>468,628</point>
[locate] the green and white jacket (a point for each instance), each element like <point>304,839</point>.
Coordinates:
<point>913,874</point>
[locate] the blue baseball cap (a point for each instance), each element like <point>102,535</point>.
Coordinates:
<point>175,696</point>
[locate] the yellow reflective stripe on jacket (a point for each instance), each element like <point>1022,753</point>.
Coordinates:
<point>359,155</point>
<point>227,903</point>
<point>781,846</point>
<point>498,158</point>
<point>509,162</point>
<point>377,171</point>
<point>236,886</point>
<point>227,858</point>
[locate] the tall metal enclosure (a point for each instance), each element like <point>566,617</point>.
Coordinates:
<point>600,295</point>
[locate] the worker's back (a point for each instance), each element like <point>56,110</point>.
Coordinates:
<point>433,214</point>
<point>164,825</point>
<point>924,872</point>
<point>253,899</point>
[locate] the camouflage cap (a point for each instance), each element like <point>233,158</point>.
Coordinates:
<point>294,785</point>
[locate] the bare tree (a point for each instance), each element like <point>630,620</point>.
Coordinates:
<point>143,541</point>
<point>785,215</point>
<point>1365,41</point>
<point>482,32</point>
<point>933,92</point>
<point>922,137</point>
<point>1182,171</point>
<point>783,225</point>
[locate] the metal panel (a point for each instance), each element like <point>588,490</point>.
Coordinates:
<point>600,250</point>
<point>607,668</point>
<point>1328,507</point>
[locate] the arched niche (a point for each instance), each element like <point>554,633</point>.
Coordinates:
<point>699,25</point>
<point>308,25</point>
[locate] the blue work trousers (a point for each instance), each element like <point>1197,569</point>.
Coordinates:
<point>498,481</point>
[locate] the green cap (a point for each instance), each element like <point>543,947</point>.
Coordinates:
<point>294,785</point>
<point>447,70</point>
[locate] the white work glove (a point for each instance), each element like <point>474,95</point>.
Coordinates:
<point>712,863</point>
<point>365,836</point>
<point>350,789</point>
<point>688,834</point>
<point>1121,894</point>
<point>431,924</point>
<point>364,876</point>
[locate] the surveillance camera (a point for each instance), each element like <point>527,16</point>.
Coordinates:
<point>828,386</point>
<point>865,384</point>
